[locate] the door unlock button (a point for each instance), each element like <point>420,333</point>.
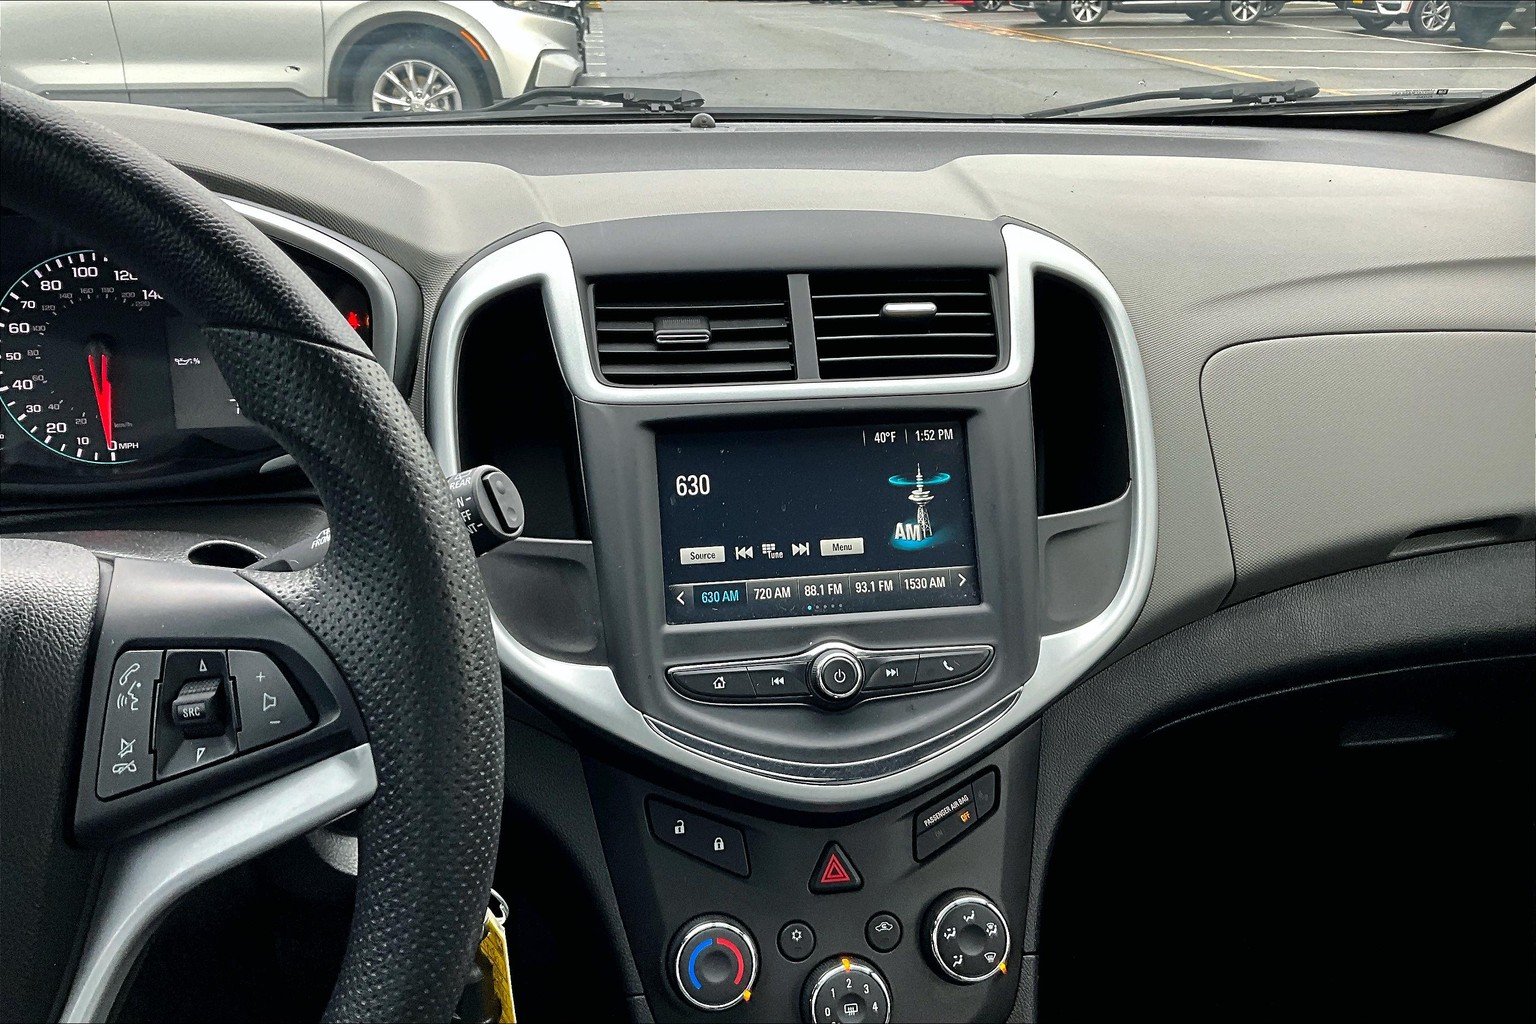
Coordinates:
<point>698,835</point>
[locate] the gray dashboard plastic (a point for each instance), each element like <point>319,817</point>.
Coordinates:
<point>1212,236</point>
<point>1332,451</point>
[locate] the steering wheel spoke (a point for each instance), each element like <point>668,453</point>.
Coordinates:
<point>201,686</point>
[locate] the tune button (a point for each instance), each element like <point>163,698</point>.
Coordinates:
<point>836,674</point>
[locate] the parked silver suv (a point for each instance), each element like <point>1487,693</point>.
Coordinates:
<point>417,55</point>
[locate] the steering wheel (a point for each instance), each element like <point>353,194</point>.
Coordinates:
<point>396,610</point>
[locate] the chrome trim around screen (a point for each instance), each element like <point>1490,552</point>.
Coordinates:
<point>591,692</point>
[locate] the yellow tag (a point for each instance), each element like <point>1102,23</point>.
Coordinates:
<point>494,948</point>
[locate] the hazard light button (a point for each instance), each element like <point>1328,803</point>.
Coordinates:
<point>835,872</point>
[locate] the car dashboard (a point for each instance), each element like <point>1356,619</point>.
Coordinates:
<point>848,452</point>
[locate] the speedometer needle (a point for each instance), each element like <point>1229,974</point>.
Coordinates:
<point>101,383</point>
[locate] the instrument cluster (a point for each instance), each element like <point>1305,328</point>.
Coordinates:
<point>105,385</point>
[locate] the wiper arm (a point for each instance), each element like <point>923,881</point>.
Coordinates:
<point>1240,93</point>
<point>657,101</point>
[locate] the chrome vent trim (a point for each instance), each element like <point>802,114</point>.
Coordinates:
<point>670,330</point>
<point>874,324</point>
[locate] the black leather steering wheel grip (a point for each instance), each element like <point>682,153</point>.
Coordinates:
<point>398,602</point>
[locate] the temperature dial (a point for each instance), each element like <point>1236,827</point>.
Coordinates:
<point>967,937</point>
<point>846,990</point>
<point>714,962</point>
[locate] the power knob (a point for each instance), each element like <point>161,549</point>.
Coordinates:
<point>714,962</point>
<point>836,675</point>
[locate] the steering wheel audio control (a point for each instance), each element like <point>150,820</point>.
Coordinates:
<point>846,990</point>
<point>836,674</point>
<point>714,962</point>
<point>967,937</point>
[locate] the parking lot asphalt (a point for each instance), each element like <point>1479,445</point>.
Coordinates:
<point>942,58</point>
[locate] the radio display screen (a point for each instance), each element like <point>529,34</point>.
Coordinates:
<point>768,523</point>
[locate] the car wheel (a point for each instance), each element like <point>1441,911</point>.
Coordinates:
<point>1200,17</point>
<point>1477,24</point>
<point>1086,12</point>
<point>989,5</point>
<point>1375,24</point>
<point>1430,17</point>
<point>1241,12</point>
<point>1051,13</point>
<point>417,75</point>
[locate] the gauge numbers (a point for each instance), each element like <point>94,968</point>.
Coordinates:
<point>66,371</point>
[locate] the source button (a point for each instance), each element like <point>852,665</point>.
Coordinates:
<point>702,556</point>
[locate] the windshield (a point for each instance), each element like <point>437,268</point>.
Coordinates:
<point>344,60</point>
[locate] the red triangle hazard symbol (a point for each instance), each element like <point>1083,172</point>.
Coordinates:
<point>833,872</point>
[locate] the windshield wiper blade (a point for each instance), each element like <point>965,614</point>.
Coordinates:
<point>657,101</point>
<point>1240,93</point>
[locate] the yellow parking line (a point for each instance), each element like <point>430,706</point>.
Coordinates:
<point>1041,37</point>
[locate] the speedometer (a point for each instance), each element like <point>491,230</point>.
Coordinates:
<point>69,378</point>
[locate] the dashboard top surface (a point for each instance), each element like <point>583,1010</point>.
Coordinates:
<point>1270,203</point>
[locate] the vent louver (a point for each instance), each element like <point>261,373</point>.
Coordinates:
<point>694,329</point>
<point>904,324</point>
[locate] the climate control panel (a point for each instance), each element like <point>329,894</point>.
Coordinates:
<point>831,676</point>
<point>714,962</point>
<point>914,911</point>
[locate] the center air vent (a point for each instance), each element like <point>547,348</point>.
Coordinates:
<point>694,329</point>
<point>904,324</point>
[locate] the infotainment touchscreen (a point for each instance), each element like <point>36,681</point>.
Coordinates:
<point>766,523</point>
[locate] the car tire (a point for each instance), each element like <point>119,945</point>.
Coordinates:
<point>1085,12</point>
<point>1375,24</point>
<point>986,5</point>
<point>1477,24</point>
<point>1430,17</point>
<point>426,54</point>
<point>1050,13</point>
<point>1241,12</point>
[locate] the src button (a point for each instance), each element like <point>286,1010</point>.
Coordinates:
<point>836,675</point>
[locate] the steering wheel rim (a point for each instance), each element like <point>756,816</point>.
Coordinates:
<point>398,603</point>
